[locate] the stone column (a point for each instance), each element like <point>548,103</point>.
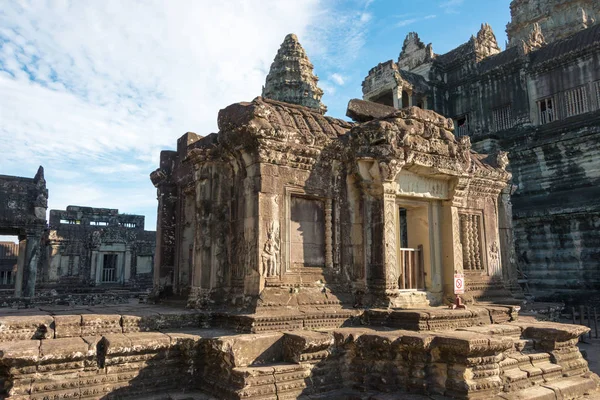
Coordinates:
<point>397,97</point>
<point>452,259</point>
<point>20,267</point>
<point>390,241</point>
<point>435,234</point>
<point>505,231</point>
<point>31,261</point>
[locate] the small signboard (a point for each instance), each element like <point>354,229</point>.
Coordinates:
<point>459,284</point>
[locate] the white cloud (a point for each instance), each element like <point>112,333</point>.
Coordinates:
<point>410,21</point>
<point>337,78</point>
<point>449,6</point>
<point>406,22</point>
<point>94,90</point>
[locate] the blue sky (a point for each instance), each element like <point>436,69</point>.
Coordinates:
<point>93,90</point>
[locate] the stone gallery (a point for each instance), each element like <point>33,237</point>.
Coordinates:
<point>97,247</point>
<point>81,248</point>
<point>318,259</point>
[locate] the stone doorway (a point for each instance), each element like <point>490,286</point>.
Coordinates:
<point>414,244</point>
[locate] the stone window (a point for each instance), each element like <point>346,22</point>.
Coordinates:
<point>307,232</point>
<point>109,268</point>
<point>575,101</point>
<point>461,125</point>
<point>502,118</point>
<point>470,238</point>
<point>99,223</point>
<point>596,86</point>
<point>6,278</point>
<point>546,109</point>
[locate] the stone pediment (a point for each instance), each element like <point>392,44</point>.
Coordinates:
<point>269,122</point>
<point>413,136</point>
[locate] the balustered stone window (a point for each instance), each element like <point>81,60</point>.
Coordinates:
<point>109,268</point>
<point>575,101</point>
<point>470,237</point>
<point>461,125</point>
<point>502,118</point>
<point>547,110</point>
<point>596,86</point>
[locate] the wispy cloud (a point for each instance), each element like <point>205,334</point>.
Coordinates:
<point>410,21</point>
<point>345,30</point>
<point>449,6</point>
<point>337,78</point>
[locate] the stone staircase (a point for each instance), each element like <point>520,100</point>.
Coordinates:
<point>96,356</point>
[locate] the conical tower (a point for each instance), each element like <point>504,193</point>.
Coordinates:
<point>291,77</point>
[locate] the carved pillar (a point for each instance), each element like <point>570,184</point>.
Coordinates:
<point>452,260</point>
<point>507,242</point>
<point>31,260</point>
<point>328,234</point>
<point>20,267</point>
<point>397,97</point>
<point>390,240</point>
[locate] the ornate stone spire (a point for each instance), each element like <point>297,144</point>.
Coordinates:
<point>485,43</point>
<point>291,77</point>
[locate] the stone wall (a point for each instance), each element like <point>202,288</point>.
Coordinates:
<point>556,209</point>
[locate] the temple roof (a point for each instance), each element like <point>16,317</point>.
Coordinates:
<point>577,42</point>
<point>279,121</point>
<point>291,77</point>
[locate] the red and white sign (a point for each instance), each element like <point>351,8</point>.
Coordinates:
<point>459,284</point>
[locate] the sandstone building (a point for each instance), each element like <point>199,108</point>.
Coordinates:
<point>383,211</point>
<point>539,100</point>
<point>82,247</point>
<point>97,247</point>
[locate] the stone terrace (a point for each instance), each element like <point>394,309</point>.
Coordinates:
<point>142,351</point>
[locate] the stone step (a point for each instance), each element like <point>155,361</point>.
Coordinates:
<point>561,389</point>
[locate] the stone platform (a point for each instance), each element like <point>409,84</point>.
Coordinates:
<point>152,352</point>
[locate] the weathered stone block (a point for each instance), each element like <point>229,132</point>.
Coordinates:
<point>297,344</point>
<point>26,327</point>
<point>250,349</point>
<point>67,326</point>
<point>99,324</point>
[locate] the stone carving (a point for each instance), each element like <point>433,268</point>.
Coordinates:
<point>270,266</point>
<point>494,257</point>
<point>535,39</point>
<point>391,264</point>
<point>411,184</point>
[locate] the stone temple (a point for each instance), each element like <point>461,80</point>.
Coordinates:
<point>318,259</point>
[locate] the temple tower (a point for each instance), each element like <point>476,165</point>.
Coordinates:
<point>291,77</point>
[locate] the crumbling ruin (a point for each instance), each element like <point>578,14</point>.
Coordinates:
<point>538,100</point>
